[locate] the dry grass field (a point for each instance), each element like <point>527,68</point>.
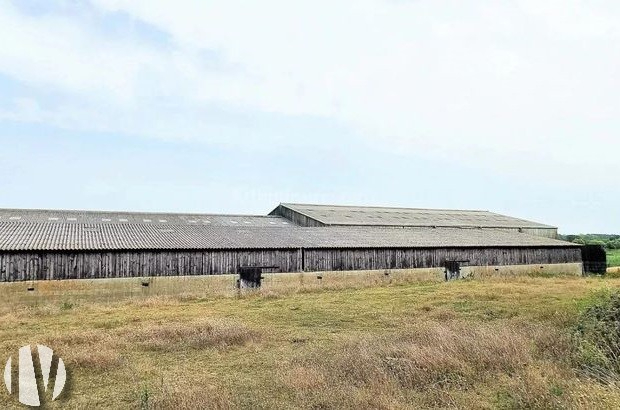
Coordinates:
<point>352,343</point>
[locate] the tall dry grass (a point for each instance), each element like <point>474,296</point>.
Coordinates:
<point>197,335</point>
<point>101,350</point>
<point>183,395</point>
<point>437,365</point>
<point>51,296</point>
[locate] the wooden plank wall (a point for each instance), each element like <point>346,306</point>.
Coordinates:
<point>354,259</point>
<point>80,265</point>
<point>21,266</point>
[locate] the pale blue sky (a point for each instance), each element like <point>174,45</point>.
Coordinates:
<point>234,106</point>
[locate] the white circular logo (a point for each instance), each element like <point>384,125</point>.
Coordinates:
<point>28,390</point>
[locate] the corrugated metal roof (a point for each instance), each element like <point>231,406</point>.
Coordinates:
<point>383,216</point>
<point>97,217</point>
<point>49,236</point>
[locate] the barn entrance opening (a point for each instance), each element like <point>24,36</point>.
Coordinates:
<point>251,277</point>
<point>594,259</point>
<point>453,269</point>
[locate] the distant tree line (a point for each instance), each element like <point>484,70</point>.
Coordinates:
<point>608,241</point>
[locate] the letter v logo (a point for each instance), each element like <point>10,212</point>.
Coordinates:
<point>28,391</point>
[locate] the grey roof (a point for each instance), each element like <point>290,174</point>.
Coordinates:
<point>48,236</point>
<point>383,216</point>
<point>158,219</point>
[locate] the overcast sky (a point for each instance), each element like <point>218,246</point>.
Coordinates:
<point>233,106</point>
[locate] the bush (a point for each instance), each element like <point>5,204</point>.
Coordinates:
<point>607,241</point>
<point>597,339</point>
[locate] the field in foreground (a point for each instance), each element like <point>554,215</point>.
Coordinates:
<point>491,343</point>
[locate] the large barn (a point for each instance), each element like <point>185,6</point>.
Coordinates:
<point>61,244</point>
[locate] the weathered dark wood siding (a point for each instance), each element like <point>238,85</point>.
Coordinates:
<point>354,259</point>
<point>81,265</point>
<point>19,266</point>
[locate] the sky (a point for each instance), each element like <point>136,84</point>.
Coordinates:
<point>234,106</point>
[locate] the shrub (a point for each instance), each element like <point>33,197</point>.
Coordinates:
<point>597,339</point>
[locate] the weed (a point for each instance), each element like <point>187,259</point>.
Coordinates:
<point>145,397</point>
<point>66,305</point>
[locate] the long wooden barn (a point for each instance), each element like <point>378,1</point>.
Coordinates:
<point>54,244</point>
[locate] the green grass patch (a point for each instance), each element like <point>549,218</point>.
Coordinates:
<point>613,257</point>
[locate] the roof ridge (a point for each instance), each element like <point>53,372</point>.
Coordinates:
<point>384,207</point>
<point>130,212</point>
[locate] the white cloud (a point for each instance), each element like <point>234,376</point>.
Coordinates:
<point>496,83</point>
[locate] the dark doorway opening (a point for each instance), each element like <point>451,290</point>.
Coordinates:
<point>251,277</point>
<point>594,259</point>
<point>453,269</point>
